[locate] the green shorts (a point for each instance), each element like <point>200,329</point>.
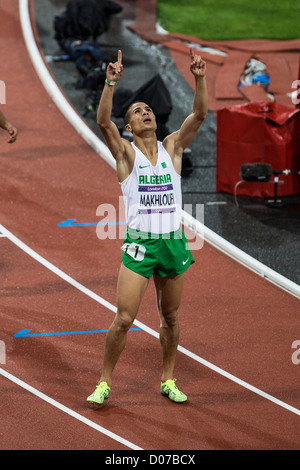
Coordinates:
<point>164,255</point>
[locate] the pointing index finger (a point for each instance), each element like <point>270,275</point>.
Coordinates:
<point>120,56</point>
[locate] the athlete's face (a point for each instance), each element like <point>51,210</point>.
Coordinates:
<point>141,117</point>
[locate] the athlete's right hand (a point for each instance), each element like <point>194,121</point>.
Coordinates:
<point>114,70</point>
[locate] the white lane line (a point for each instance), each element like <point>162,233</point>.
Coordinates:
<point>148,330</point>
<point>240,256</point>
<point>68,278</point>
<point>67,410</point>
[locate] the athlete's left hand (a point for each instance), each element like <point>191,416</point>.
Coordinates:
<point>198,65</point>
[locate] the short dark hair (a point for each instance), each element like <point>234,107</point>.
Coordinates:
<point>126,117</point>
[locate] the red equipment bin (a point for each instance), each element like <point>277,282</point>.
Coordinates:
<point>258,132</point>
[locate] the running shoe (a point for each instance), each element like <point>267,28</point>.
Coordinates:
<point>99,395</point>
<point>169,389</point>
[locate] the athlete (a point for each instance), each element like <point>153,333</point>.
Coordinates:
<point>154,245</point>
<point>10,128</point>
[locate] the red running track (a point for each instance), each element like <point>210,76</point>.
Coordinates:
<point>230,317</point>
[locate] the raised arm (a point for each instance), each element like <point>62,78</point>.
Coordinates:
<point>108,128</point>
<point>119,147</point>
<point>10,128</point>
<point>179,140</point>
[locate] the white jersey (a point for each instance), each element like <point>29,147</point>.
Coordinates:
<point>153,194</point>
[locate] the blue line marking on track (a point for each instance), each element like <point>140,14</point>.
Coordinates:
<point>24,333</point>
<point>70,223</point>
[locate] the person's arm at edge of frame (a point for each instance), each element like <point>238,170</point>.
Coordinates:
<point>10,128</point>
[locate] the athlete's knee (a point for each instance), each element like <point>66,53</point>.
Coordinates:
<point>169,318</point>
<point>123,320</point>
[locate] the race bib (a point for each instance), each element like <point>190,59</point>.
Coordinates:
<point>135,250</point>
